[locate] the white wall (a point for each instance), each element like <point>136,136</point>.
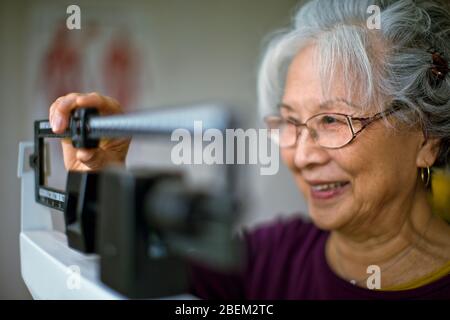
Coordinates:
<point>201,50</point>
<point>12,126</point>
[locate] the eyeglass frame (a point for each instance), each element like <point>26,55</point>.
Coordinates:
<point>365,122</point>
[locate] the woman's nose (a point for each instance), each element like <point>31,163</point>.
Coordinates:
<point>308,152</point>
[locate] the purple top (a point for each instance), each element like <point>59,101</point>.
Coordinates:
<point>286,260</point>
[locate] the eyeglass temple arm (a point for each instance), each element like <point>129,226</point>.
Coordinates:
<point>368,120</point>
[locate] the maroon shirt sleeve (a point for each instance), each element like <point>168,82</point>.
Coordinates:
<point>207,283</point>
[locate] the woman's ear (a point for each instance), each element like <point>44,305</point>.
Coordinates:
<point>428,152</point>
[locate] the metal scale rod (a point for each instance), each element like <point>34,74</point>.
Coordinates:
<point>159,121</point>
<point>87,127</point>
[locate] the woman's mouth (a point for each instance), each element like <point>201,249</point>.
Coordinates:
<point>328,190</point>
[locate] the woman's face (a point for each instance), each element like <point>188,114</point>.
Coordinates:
<point>376,171</point>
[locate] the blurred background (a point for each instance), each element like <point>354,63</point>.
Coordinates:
<point>145,54</point>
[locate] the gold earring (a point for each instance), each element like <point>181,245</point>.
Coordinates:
<point>426,177</point>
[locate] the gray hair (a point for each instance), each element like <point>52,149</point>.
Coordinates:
<point>392,64</point>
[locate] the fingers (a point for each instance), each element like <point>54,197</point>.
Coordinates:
<point>82,159</point>
<point>61,109</point>
<point>86,159</point>
<point>92,158</point>
<point>104,104</point>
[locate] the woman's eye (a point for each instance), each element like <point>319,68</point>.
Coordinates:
<point>332,120</point>
<point>329,120</point>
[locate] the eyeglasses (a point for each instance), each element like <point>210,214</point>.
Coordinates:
<point>328,130</point>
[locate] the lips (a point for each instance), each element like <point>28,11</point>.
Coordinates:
<point>327,186</point>
<point>322,190</point>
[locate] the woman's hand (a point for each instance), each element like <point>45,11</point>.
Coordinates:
<point>109,151</point>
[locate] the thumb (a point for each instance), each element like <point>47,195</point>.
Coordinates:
<point>93,158</point>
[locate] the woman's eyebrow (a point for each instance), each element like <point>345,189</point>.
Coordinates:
<point>286,106</point>
<point>330,104</point>
<point>324,105</point>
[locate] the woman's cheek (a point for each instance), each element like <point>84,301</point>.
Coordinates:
<point>287,155</point>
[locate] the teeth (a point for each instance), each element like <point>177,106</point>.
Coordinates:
<point>322,187</point>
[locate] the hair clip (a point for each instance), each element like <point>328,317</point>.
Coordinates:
<point>439,66</point>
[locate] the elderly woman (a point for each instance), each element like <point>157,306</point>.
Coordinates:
<point>361,115</point>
